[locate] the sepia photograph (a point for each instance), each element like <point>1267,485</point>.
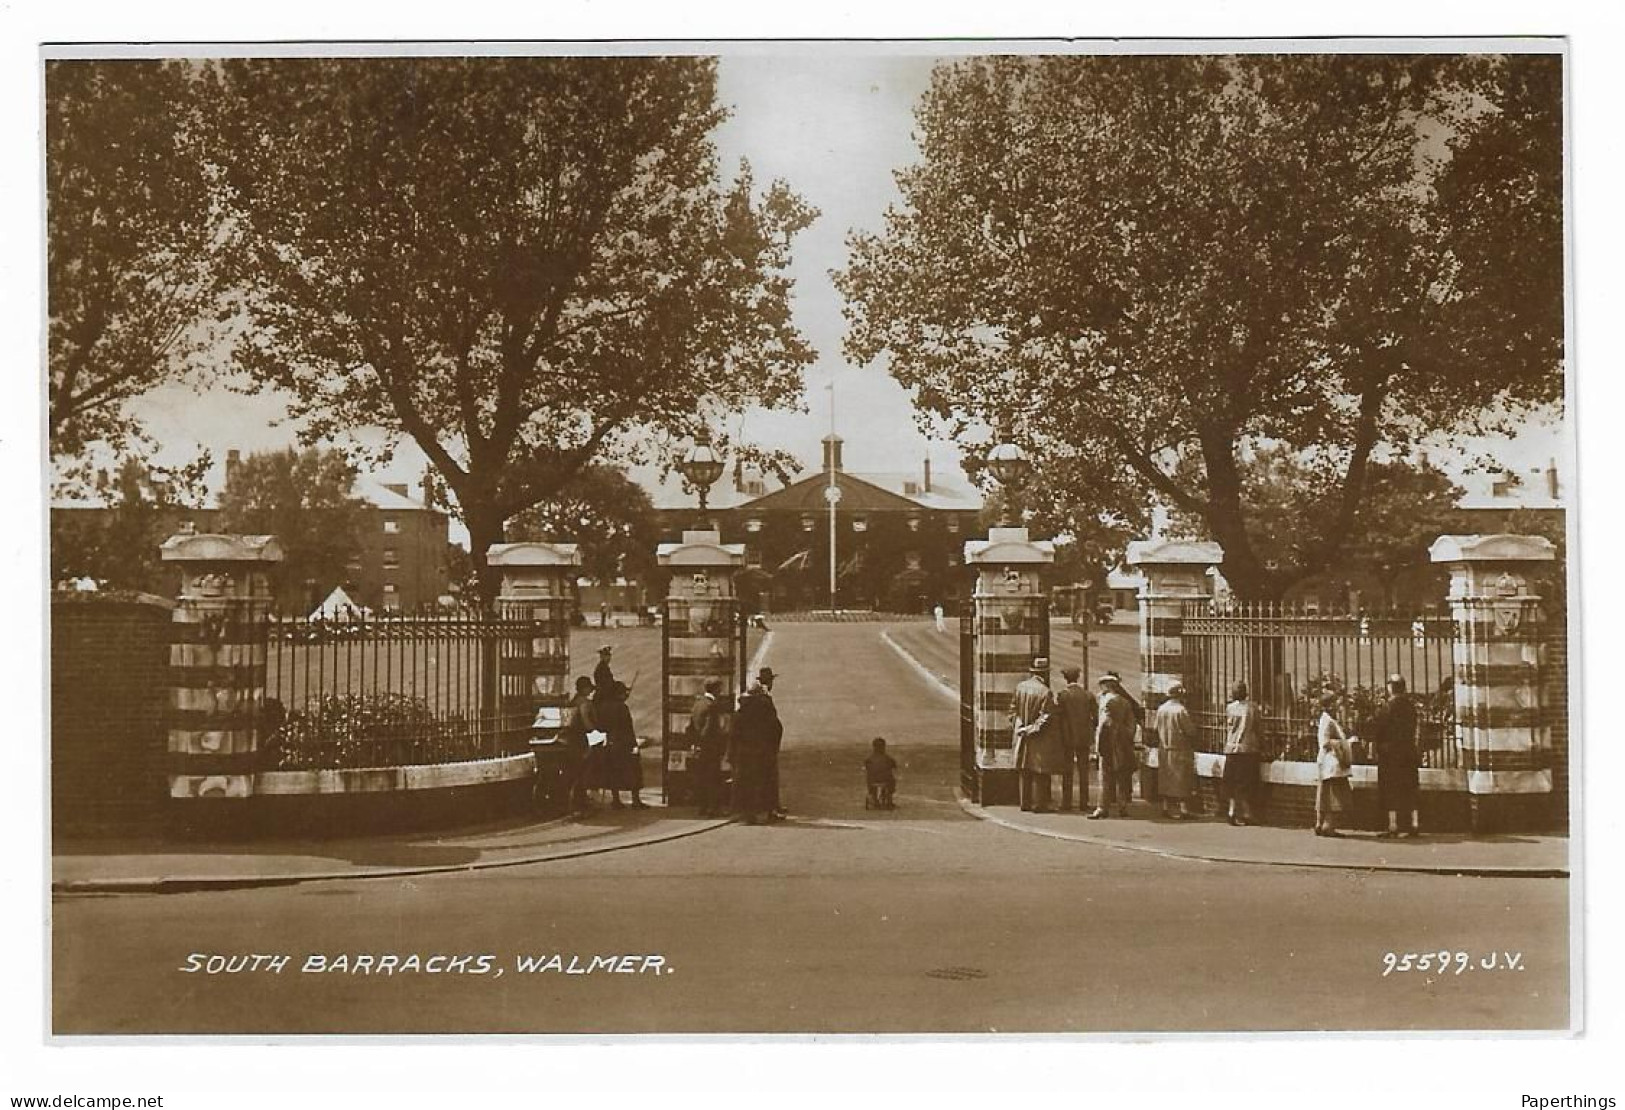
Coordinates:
<point>743,538</point>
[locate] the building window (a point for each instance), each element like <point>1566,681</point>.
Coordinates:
<point>808,523</point>
<point>912,560</point>
<point>953,524</point>
<point>753,525</point>
<point>392,558</point>
<point>392,600</point>
<point>753,555</point>
<point>860,524</point>
<point>913,524</point>
<point>391,526</point>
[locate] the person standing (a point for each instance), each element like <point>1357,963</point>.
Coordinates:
<point>775,805</point>
<point>1036,738</point>
<point>1114,739</point>
<point>603,677</point>
<point>710,738</point>
<point>1243,748</point>
<point>625,766</point>
<point>1333,763</point>
<point>941,618</point>
<point>583,763</point>
<point>1399,764</point>
<point>1176,760</point>
<point>755,730</point>
<point>1080,716</point>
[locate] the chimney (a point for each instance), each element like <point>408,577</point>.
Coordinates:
<point>234,459</point>
<point>1551,478</point>
<point>926,487</point>
<point>832,452</point>
<point>739,475</point>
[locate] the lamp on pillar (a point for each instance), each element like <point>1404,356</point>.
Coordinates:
<point>1008,464</point>
<point>702,466</point>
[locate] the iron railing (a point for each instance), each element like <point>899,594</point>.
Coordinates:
<point>1289,656</point>
<point>362,689</point>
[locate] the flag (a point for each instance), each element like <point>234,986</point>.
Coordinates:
<point>799,561</point>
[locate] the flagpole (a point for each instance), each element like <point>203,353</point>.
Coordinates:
<point>831,495</point>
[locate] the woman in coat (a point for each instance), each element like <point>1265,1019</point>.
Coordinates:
<point>1176,758</point>
<point>1243,749</point>
<point>625,770</point>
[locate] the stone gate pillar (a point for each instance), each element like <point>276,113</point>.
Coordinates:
<point>217,664</point>
<point>1176,572</point>
<point>701,638</point>
<point>1501,725</point>
<point>534,668</point>
<point>1010,628</point>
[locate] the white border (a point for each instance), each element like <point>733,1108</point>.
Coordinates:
<point>1472,1073</point>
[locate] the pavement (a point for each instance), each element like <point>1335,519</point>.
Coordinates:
<point>1214,840</point>
<point>179,866</point>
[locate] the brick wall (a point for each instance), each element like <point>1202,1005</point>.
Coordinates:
<point>109,676</point>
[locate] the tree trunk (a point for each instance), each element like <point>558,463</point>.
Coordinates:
<point>484,529</point>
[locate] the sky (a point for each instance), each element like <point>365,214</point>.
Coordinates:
<point>835,127</point>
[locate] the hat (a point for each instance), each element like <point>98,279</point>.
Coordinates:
<point>766,672</point>
<point>605,650</point>
<point>1109,676</point>
<point>1177,690</point>
<point>1040,665</point>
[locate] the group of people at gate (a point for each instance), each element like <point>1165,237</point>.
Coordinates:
<point>746,737</point>
<point>1064,733</point>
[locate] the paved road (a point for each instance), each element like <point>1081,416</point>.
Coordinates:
<point>842,920</point>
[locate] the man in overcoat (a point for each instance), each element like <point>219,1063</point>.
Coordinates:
<point>1398,761</point>
<point>707,731</point>
<point>1114,738</point>
<point>1037,738</point>
<point>756,733</point>
<point>1079,715</point>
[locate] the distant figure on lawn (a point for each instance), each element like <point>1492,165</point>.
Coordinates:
<point>880,774</point>
<point>1037,738</point>
<point>1398,761</point>
<point>941,617</point>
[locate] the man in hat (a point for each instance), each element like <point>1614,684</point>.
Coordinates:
<point>706,731</point>
<point>775,806</point>
<point>603,678</point>
<point>753,750</point>
<point>1398,761</point>
<point>1079,714</point>
<point>1114,739</point>
<point>1037,738</point>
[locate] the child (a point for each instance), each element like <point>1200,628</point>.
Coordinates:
<point>880,770</point>
<point>1332,794</point>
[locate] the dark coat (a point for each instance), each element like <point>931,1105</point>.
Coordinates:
<point>706,728</point>
<point>616,720</point>
<point>1080,716</point>
<point>602,679</point>
<point>1398,761</point>
<point>757,732</point>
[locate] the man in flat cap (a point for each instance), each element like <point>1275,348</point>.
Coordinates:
<point>1037,738</point>
<point>1398,761</point>
<point>1114,739</point>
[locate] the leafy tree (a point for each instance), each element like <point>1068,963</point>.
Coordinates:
<point>116,542</point>
<point>1151,268</point>
<point>135,237</point>
<point>305,499</point>
<point>607,513</point>
<point>522,265</point>
<point>1291,498</point>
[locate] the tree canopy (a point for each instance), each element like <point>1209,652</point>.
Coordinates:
<point>1150,267</point>
<point>306,499</point>
<point>136,240</point>
<point>523,265</point>
<point>607,513</point>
